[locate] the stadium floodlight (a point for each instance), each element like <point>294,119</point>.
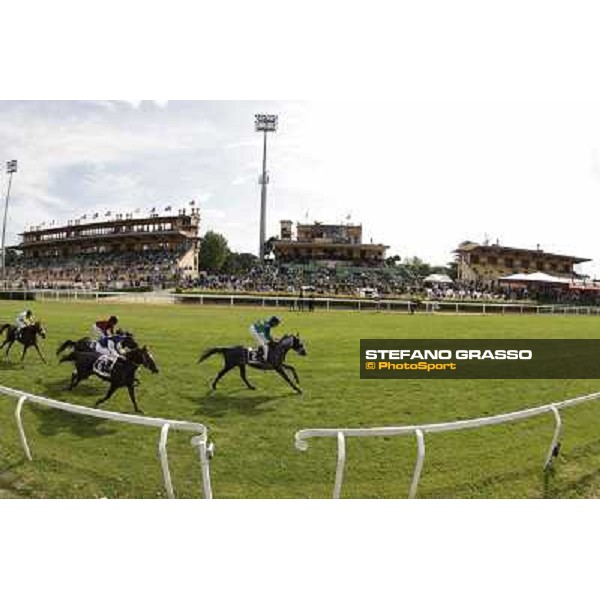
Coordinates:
<point>11,168</point>
<point>266,124</point>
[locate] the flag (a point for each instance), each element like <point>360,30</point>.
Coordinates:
<point>84,217</point>
<point>95,215</point>
<point>167,209</point>
<point>193,203</point>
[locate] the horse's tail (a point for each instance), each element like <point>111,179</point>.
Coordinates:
<point>5,326</point>
<point>64,346</point>
<point>69,357</point>
<point>210,352</point>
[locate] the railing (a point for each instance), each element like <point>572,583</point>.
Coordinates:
<point>295,303</point>
<point>419,431</point>
<point>199,441</point>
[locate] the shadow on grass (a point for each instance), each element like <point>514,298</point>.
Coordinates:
<point>556,482</point>
<point>11,366</point>
<point>52,422</point>
<point>219,404</point>
<point>59,389</point>
<point>9,481</point>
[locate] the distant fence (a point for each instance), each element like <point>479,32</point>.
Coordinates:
<point>199,441</point>
<point>294,303</point>
<point>419,431</point>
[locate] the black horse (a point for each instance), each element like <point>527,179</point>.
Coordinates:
<point>87,344</point>
<point>27,336</point>
<point>121,375</point>
<point>240,356</point>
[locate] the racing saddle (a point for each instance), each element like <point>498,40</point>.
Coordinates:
<point>105,363</point>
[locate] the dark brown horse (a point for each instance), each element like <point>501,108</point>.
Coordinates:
<point>241,356</point>
<point>27,336</point>
<point>122,373</point>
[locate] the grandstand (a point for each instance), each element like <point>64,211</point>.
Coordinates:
<point>330,245</point>
<point>125,252</point>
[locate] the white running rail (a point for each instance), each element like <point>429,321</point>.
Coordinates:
<point>419,431</point>
<point>470,307</point>
<point>199,441</point>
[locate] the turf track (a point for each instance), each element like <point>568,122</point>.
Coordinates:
<point>253,431</point>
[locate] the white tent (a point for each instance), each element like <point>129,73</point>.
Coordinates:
<point>538,277</point>
<point>437,278</point>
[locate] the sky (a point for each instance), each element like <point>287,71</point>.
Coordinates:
<point>518,165</point>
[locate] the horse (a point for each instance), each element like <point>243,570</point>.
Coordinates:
<point>27,336</point>
<point>121,375</point>
<point>88,344</point>
<point>240,356</point>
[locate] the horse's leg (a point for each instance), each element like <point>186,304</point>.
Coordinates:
<point>9,347</point>
<point>25,347</point>
<point>74,379</point>
<point>131,391</point>
<point>285,376</point>
<point>38,351</point>
<point>220,374</point>
<point>292,370</point>
<point>111,390</point>
<point>244,378</point>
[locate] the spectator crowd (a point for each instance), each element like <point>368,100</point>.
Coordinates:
<point>158,269</point>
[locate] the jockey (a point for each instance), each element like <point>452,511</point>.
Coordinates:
<point>102,329</point>
<point>111,344</point>
<point>261,331</point>
<point>24,319</point>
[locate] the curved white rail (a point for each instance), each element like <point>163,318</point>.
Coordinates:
<point>200,439</point>
<point>302,436</point>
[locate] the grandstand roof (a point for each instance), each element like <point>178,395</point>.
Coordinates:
<point>497,248</point>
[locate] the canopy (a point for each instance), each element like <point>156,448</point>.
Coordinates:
<point>538,277</point>
<point>437,278</point>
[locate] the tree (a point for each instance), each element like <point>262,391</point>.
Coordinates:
<point>452,270</point>
<point>239,262</point>
<point>213,252</point>
<point>392,261</point>
<point>416,268</point>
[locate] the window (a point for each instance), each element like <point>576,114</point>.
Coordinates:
<point>509,262</point>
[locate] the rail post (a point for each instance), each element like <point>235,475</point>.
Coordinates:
<point>418,464</point>
<point>204,453</point>
<point>341,461</point>
<point>555,444</point>
<point>20,427</point>
<point>164,460</point>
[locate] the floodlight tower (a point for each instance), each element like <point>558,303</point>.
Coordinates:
<point>11,167</point>
<point>266,124</point>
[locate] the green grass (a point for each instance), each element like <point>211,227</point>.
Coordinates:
<point>253,430</point>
